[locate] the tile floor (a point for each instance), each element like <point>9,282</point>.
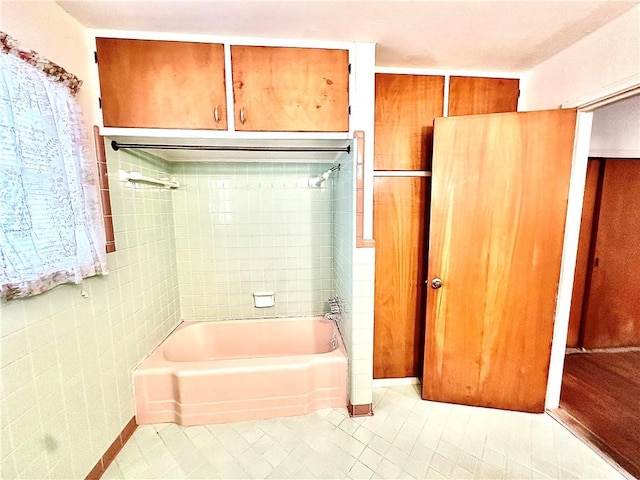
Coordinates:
<point>406,438</point>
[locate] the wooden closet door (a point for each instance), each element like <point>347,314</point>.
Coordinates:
<point>406,106</point>
<point>161,84</point>
<point>399,210</point>
<point>612,317</point>
<point>477,95</point>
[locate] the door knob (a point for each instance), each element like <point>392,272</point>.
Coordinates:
<point>436,283</point>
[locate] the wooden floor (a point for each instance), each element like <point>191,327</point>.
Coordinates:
<point>601,399</point>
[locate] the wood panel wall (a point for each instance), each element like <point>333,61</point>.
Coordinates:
<point>612,315</point>
<point>584,245</point>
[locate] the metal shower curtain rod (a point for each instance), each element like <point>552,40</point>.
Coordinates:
<point>230,148</point>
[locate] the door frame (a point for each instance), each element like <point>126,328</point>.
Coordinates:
<point>586,106</point>
<point>569,254</point>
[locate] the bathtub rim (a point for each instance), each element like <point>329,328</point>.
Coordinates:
<point>156,350</point>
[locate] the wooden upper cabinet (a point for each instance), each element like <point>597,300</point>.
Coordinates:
<point>162,84</point>
<point>290,89</point>
<point>406,106</point>
<point>477,95</point>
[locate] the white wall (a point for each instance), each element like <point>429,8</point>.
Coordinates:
<point>362,101</point>
<point>616,130</point>
<point>354,273</point>
<point>601,63</point>
<point>45,27</point>
<point>359,336</point>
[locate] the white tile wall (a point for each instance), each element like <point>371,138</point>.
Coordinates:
<point>67,360</point>
<point>362,328</point>
<point>354,285</point>
<point>228,231</point>
<point>343,246</point>
<point>242,228</point>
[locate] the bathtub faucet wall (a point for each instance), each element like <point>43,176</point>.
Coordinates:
<point>336,309</point>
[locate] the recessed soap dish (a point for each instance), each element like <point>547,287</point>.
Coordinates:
<point>264,299</point>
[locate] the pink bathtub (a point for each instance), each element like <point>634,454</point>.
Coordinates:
<point>236,370</point>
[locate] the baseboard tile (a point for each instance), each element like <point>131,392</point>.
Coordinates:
<point>98,470</point>
<point>362,410</point>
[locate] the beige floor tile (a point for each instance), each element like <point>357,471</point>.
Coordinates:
<point>406,438</point>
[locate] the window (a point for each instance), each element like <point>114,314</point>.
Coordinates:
<point>51,229</point>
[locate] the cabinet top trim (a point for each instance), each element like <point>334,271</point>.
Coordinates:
<point>228,40</point>
<point>448,73</point>
<point>224,135</point>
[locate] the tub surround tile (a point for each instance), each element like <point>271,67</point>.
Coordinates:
<point>251,228</point>
<point>347,262</point>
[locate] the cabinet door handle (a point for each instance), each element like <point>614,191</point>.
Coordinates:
<point>242,115</point>
<point>216,114</point>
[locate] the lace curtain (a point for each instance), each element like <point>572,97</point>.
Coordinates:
<point>10,45</point>
<point>51,229</point>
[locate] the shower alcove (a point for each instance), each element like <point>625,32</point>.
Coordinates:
<point>250,215</point>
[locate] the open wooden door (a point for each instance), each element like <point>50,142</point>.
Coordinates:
<point>498,206</point>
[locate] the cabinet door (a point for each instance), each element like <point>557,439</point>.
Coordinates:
<point>406,106</point>
<point>477,95</point>
<point>290,89</point>
<point>399,209</point>
<point>160,84</point>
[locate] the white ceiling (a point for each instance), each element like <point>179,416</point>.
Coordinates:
<point>507,36</point>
